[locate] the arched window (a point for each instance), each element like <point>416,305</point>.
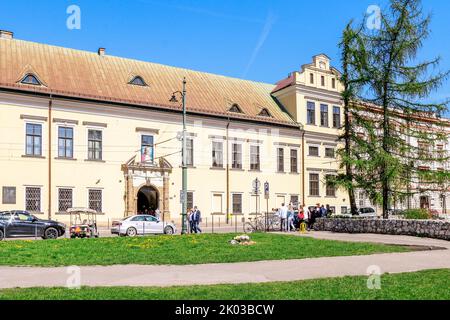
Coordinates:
<point>138,81</point>
<point>235,108</point>
<point>265,113</point>
<point>31,79</point>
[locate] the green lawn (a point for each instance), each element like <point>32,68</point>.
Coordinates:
<point>177,250</point>
<point>426,285</point>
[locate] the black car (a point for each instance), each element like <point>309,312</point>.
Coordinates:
<point>23,224</point>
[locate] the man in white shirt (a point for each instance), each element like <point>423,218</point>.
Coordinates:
<point>283,212</point>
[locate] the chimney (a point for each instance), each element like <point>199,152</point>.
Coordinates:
<point>6,34</point>
<point>101,52</point>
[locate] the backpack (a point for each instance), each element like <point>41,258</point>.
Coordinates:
<point>301,216</point>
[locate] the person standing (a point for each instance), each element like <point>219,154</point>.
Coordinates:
<point>306,215</point>
<point>328,208</point>
<point>314,214</point>
<point>283,212</point>
<point>323,211</point>
<point>197,220</point>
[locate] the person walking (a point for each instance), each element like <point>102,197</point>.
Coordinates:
<point>290,219</point>
<point>190,215</point>
<point>197,220</point>
<point>283,212</point>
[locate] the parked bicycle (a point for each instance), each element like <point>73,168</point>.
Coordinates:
<point>262,223</point>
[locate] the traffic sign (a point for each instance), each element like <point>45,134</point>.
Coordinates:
<point>256,186</point>
<point>266,190</point>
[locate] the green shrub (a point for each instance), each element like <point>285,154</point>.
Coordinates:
<point>417,214</point>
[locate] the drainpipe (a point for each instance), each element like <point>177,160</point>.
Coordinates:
<point>228,172</point>
<point>303,164</point>
<point>50,104</point>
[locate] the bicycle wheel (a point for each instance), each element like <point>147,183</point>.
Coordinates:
<point>249,228</point>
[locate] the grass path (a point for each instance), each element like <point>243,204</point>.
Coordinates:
<point>177,250</point>
<point>429,285</point>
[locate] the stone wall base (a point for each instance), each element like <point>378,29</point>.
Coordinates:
<point>418,228</point>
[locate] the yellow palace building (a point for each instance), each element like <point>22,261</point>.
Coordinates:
<point>82,129</point>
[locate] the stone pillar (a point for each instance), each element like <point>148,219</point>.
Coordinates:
<point>130,197</point>
<point>165,196</point>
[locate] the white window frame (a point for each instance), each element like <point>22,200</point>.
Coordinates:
<point>102,129</point>
<point>223,142</point>
<point>35,122</point>
<point>65,125</point>
<point>314,146</point>
<point>233,142</point>
<point>242,202</point>
<point>259,145</point>
<point>290,160</point>
<point>212,201</point>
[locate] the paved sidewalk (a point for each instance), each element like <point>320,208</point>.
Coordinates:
<point>247,272</point>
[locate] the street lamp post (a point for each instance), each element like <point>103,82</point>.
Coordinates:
<point>184,157</point>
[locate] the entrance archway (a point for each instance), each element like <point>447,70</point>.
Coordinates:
<point>147,199</point>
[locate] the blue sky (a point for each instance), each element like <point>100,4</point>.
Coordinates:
<point>259,40</point>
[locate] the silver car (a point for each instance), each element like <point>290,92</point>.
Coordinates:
<point>142,225</point>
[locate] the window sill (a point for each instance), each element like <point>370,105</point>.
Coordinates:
<point>331,197</point>
<point>189,167</point>
<point>281,172</point>
<point>217,168</point>
<point>254,170</point>
<point>295,173</point>
<point>237,169</point>
<point>93,160</point>
<point>311,124</point>
<point>314,196</point>
<point>33,157</point>
<point>36,212</point>
<point>309,155</point>
<point>68,159</point>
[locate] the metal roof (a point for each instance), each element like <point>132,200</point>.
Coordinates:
<point>81,74</point>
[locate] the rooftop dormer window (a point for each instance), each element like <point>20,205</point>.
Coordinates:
<point>31,79</point>
<point>138,81</point>
<point>265,113</point>
<point>235,108</point>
